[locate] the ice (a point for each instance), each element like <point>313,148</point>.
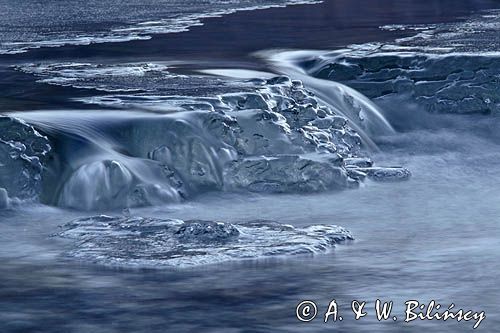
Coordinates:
<point>220,150</point>
<point>365,117</point>
<point>275,136</point>
<point>103,77</point>
<point>385,174</point>
<point>362,162</point>
<point>443,68</point>
<point>451,83</point>
<point>23,152</point>
<point>289,119</point>
<point>285,174</point>
<point>206,231</point>
<point>163,243</point>
<point>110,184</point>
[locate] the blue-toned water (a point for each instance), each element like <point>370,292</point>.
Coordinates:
<point>248,155</point>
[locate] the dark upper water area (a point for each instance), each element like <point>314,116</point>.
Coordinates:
<point>328,25</point>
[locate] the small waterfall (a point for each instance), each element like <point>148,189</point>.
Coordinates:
<point>112,159</point>
<point>364,116</point>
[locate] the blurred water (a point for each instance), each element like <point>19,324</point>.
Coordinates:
<point>434,237</point>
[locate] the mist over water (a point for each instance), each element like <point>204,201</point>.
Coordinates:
<point>278,150</point>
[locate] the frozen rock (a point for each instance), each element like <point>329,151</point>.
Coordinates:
<point>194,145</point>
<point>23,152</point>
<point>354,173</point>
<point>285,173</point>
<point>245,101</point>
<point>386,174</point>
<point>206,231</point>
<point>111,184</point>
<point>444,83</point>
<point>216,150</point>
<point>276,138</point>
<point>158,243</point>
<point>361,162</point>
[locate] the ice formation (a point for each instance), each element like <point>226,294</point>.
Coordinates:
<point>454,83</point>
<point>444,68</point>
<point>23,152</point>
<point>274,138</point>
<point>103,77</point>
<point>110,184</point>
<point>153,242</point>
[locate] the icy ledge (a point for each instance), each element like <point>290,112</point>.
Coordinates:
<point>162,243</point>
<point>23,152</point>
<point>277,138</point>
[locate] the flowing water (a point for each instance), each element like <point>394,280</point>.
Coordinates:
<point>166,133</point>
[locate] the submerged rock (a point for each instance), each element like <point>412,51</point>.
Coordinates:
<point>23,152</point>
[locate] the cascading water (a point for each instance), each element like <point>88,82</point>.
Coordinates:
<point>274,136</point>
<point>365,117</point>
